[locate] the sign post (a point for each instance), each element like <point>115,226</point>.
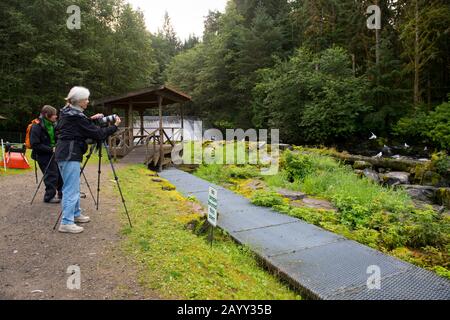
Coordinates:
<point>212,211</point>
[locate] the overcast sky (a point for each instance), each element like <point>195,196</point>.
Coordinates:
<point>186,15</point>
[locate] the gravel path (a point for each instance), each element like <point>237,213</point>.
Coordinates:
<point>34,259</point>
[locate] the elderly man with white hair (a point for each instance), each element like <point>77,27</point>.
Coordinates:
<point>72,131</point>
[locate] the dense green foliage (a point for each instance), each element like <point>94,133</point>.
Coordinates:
<point>41,58</point>
<point>383,218</point>
<point>432,127</point>
<point>327,103</point>
<point>310,67</point>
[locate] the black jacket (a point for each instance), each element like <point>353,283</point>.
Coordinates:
<point>40,140</point>
<point>72,131</point>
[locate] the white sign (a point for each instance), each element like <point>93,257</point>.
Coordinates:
<point>212,206</point>
<point>374,20</point>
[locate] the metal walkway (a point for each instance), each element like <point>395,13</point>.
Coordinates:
<point>321,264</point>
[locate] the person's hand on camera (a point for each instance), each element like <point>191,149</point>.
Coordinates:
<point>118,121</point>
<point>97,116</point>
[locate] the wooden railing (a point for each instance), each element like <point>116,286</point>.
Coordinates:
<point>121,143</point>
<point>153,145</point>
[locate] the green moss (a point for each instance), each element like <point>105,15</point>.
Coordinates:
<point>179,264</point>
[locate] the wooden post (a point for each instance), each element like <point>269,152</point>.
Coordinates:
<point>182,123</point>
<point>141,116</point>
<point>130,125</point>
<point>161,134</point>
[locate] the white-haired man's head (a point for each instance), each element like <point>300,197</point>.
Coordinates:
<point>79,96</point>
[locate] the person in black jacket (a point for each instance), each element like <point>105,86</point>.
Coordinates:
<point>72,130</point>
<point>43,141</point>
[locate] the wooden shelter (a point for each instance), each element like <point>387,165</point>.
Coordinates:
<point>155,143</point>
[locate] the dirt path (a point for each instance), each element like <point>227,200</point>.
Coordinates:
<point>34,258</point>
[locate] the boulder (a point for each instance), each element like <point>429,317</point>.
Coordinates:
<point>421,193</point>
<point>431,178</point>
<point>359,173</point>
<point>443,196</point>
<point>361,165</point>
<point>396,177</point>
<point>313,203</point>
<point>292,195</point>
<point>371,175</point>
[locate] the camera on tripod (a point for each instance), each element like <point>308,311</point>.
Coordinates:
<point>105,121</point>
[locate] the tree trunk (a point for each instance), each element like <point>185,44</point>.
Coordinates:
<point>377,43</point>
<point>416,58</point>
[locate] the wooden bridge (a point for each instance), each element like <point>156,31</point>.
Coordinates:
<point>146,146</point>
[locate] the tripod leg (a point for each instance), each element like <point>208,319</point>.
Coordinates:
<point>88,157</point>
<point>42,179</point>
<point>99,173</point>
<point>116,178</point>
<point>89,187</point>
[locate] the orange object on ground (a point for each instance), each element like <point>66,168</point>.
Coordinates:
<point>15,160</point>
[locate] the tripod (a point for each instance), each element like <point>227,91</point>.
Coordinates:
<point>99,146</point>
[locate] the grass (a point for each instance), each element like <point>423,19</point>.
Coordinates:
<point>179,263</point>
<point>380,217</point>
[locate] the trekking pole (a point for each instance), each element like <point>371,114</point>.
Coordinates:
<point>42,179</point>
<point>35,171</point>
<point>59,217</point>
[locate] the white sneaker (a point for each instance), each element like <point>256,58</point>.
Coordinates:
<point>82,219</point>
<point>70,228</point>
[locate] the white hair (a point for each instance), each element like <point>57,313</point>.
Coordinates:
<point>77,94</point>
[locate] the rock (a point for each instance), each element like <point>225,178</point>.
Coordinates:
<point>443,196</point>
<point>156,180</point>
<point>431,178</point>
<point>314,204</point>
<point>421,193</point>
<point>359,173</point>
<point>256,185</point>
<point>292,195</point>
<point>395,178</point>
<point>37,291</point>
<point>361,165</point>
<point>371,175</point>
<point>284,146</point>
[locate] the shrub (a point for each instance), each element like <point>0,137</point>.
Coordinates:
<point>433,126</point>
<point>296,166</point>
<point>243,172</point>
<point>424,228</point>
<point>441,162</point>
<point>266,199</point>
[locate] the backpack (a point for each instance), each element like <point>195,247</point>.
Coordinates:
<point>27,136</point>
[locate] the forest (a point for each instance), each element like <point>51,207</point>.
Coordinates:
<point>311,68</point>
